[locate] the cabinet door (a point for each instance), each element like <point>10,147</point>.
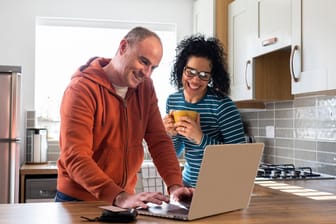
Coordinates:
<point>313,66</point>
<point>204,17</point>
<point>271,25</point>
<point>240,62</point>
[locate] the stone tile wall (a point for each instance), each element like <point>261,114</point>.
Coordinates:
<point>304,132</point>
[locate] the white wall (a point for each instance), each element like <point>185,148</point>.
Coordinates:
<point>17,25</point>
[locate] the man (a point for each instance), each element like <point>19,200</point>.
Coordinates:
<point>107,110</point>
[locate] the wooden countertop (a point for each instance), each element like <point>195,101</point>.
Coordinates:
<point>267,206</point>
<point>32,169</point>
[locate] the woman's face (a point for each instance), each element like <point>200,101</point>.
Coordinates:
<point>195,78</point>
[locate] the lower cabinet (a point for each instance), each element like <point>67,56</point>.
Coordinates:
<point>38,183</point>
<point>40,188</point>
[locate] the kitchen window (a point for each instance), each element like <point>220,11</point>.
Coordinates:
<point>62,45</point>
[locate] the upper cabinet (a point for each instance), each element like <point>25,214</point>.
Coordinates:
<point>255,76</point>
<point>239,52</point>
<point>312,66</point>
<point>281,48</point>
<point>204,17</point>
<point>271,24</point>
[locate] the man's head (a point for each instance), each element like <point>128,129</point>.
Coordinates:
<point>139,53</point>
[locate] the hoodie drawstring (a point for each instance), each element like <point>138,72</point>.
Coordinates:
<point>104,105</point>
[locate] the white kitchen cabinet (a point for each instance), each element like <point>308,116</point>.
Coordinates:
<point>254,79</point>
<point>271,24</point>
<point>204,17</point>
<point>313,66</point>
<point>239,58</point>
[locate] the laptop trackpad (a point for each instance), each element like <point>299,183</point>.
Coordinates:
<point>168,208</point>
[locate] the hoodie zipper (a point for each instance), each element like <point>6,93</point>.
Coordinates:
<point>124,178</point>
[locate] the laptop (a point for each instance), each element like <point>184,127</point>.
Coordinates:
<point>225,183</point>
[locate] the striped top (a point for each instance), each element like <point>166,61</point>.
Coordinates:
<point>220,123</point>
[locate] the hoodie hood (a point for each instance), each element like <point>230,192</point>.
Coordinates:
<point>93,70</point>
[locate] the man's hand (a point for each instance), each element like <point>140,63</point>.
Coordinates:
<point>125,200</point>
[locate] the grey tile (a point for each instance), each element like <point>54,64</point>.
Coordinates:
<point>268,114</point>
<point>264,123</point>
<point>305,102</point>
<point>327,169</point>
<point>325,157</point>
<point>30,123</point>
<point>254,131</point>
<point>305,155</point>
<point>266,158</point>
<point>284,133</point>
<point>53,148</point>
<point>52,156</point>
<point>306,145</point>
<point>305,113</point>
<point>326,113</point>
<point>249,115</point>
<point>284,160</point>
<point>30,114</point>
<point>286,113</point>
<point>326,147</point>
<point>284,123</point>
<point>269,150</point>
<point>285,143</point>
<point>283,104</point>
<point>326,101</point>
<point>269,142</point>
<point>284,152</point>
<point>306,163</point>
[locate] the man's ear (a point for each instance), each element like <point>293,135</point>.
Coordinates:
<point>123,46</point>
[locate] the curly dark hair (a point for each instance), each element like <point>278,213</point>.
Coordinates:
<point>210,48</point>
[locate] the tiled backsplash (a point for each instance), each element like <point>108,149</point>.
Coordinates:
<point>304,132</point>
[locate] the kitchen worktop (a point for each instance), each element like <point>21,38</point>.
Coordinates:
<point>267,206</point>
<point>43,168</point>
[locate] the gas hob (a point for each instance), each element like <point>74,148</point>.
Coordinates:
<point>288,172</point>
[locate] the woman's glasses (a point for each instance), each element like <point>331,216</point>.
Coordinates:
<point>191,72</point>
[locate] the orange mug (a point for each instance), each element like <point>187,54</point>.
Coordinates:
<point>184,113</point>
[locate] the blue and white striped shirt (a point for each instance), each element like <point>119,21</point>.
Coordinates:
<point>220,123</point>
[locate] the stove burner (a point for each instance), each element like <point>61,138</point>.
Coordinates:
<point>288,172</point>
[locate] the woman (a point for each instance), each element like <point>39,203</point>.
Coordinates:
<point>199,73</point>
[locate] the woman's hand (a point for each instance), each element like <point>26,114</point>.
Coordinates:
<point>182,194</point>
<point>190,129</point>
<point>168,122</point>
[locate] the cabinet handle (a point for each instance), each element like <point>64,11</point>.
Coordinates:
<point>246,82</point>
<point>269,41</point>
<point>291,65</point>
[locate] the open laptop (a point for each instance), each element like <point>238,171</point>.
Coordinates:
<point>225,183</point>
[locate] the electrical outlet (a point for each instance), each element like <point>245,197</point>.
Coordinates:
<point>270,131</point>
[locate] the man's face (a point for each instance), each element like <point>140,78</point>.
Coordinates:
<point>139,60</point>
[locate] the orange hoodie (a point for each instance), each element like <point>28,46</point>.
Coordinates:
<point>101,136</point>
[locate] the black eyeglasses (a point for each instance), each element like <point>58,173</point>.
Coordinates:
<point>191,72</point>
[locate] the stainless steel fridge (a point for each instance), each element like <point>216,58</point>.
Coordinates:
<point>10,113</point>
